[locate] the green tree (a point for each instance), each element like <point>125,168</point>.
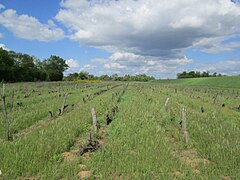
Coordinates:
<point>6,66</point>
<point>25,67</point>
<point>54,68</point>
<point>83,75</point>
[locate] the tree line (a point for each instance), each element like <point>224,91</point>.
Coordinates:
<point>197,74</point>
<point>115,77</point>
<point>18,67</point>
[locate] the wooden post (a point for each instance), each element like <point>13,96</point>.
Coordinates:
<point>12,106</point>
<point>94,117</point>
<point>166,103</point>
<point>64,102</point>
<point>184,126</point>
<point>89,137</point>
<point>7,133</point>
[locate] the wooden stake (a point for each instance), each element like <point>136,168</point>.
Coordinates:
<point>64,102</point>
<point>184,126</point>
<point>94,117</point>
<point>7,133</point>
<point>166,103</point>
<point>12,106</point>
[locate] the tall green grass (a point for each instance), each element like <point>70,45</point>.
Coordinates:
<point>136,145</point>
<point>144,141</point>
<point>39,154</point>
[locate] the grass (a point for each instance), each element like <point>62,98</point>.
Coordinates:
<point>218,82</point>
<point>38,154</point>
<point>136,146</point>
<point>144,140</point>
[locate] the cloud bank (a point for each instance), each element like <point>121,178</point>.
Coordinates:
<point>158,28</point>
<point>28,27</point>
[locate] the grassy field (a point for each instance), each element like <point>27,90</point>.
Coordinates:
<point>218,82</point>
<point>142,140</point>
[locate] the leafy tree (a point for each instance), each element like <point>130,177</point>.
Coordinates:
<point>6,66</point>
<point>54,68</point>
<point>23,67</point>
<point>193,74</point>
<point>26,67</point>
<point>83,75</point>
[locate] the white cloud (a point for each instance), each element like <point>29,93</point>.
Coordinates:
<point>2,6</point>
<point>189,21</point>
<point>215,45</point>
<point>88,67</point>
<point>150,36</point>
<point>230,67</point>
<point>72,63</point>
<point>74,4</point>
<point>3,46</point>
<point>81,34</point>
<point>226,67</point>
<point>113,65</point>
<point>158,28</point>
<point>129,63</point>
<point>28,27</point>
<point>74,66</point>
<point>1,35</point>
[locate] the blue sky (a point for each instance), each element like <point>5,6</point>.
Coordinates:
<point>159,38</point>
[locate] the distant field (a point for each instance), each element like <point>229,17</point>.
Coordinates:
<point>219,82</point>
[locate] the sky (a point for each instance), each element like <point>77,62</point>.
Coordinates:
<point>157,37</point>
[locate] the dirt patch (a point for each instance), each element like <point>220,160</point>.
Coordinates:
<point>194,162</point>
<point>82,166</point>
<point>226,178</point>
<point>69,156</point>
<point>188,157</point>
<point>85,174</point>
<point>102,142</point>
<point>190,152</point>
<point>87,156</point>
<point>117,176</point>
<point>176,175</point>
<point>197,172</point>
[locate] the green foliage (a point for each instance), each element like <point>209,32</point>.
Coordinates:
<point>86,76</point>
<point>17,67</point>
<point>197,74</point>
<point>6,66</point>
